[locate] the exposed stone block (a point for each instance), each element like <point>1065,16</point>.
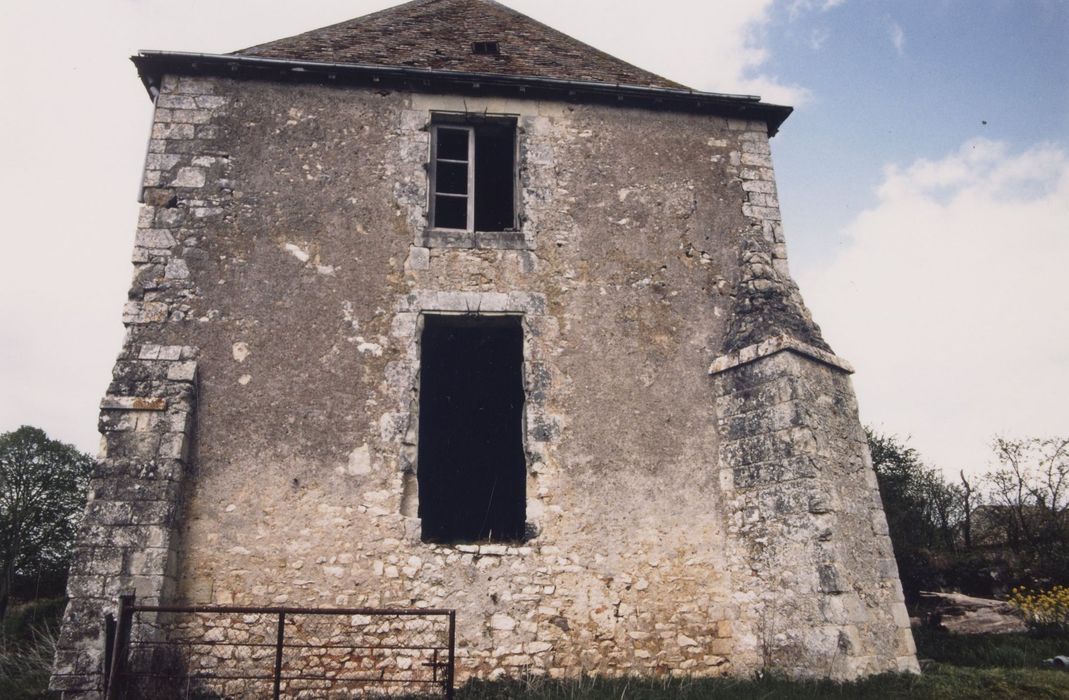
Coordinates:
<point>754,398</point>
<point>210,101</point>
<point>108,513</point>
<point>173,131</point>
<point>148,561</point>
<point>173,445</point>
<point>188,85</point>
<point>189,177</point>
<point>781,445</point>
<point>161,161</point>
<point>170,353</point>
<point>176,269</point>
<point>182,371</point>
<point>776,472</point>
<point>176,101</point>
<point>754,185</point>
<point>756,147</point>
<point>756,160</point>
<point>760,199</point>
<point>755,175</point>
<point>766,419</point>
<point>139,312</point>
<point>761,212</point>
<point>154,238</point>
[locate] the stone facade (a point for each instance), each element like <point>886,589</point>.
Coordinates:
<point>680,521</point>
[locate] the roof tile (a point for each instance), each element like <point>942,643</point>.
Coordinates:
<point>440,34</point>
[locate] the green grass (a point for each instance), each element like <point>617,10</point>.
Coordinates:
<point>940,681</point>
<point>27,643</point>
<point>988,650</point>
<point>25,666</point>
<point>963,666</point>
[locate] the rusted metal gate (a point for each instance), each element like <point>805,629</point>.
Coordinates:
<point>215,652</point>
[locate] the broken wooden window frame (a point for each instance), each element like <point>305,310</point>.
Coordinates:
<point>507,236</point>
<point>540,430</point>
<point>469,193</point>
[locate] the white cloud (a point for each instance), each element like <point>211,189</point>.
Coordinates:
<point>898,37</point>
<point>817,38</point>
<point>952,300</point>
<point>716,46</point>
<point>796,8</point>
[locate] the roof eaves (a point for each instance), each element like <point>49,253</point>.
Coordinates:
<point>152,65</point>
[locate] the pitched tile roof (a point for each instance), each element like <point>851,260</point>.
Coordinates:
<point>440,35</point>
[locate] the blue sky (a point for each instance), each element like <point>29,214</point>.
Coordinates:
<point>932,248</point>
<point>923,186</point>
<point>959,64</point>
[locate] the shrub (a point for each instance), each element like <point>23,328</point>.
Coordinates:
<point>1045,612</point>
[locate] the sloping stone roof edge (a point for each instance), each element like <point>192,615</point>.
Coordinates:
<point>771,346</point>
<point>153,65</point>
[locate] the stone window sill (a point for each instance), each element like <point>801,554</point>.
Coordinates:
<point>486,240</point>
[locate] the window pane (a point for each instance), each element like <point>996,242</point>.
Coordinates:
<point>452,143</point>
<point>451,178</point>
<point>451,212</point>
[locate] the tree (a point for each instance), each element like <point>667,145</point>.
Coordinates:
<point>42,494</point>
<point>1029,493</point>
<point>923,510</point>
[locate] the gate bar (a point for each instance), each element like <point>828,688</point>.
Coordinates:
<point>449,691</point>
<point>128,607</point>
<point>253,610</point>
<point>121,645</point>
<point>278,653</point>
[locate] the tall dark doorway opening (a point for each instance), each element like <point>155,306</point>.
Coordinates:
<point>471,467</point>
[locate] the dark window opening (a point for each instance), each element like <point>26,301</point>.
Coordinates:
<point>485,48</point>
<point>472,471</point>
<point>473,175</point>
<point>495,155</point>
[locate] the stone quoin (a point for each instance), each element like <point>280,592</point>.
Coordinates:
<point>440,307</point>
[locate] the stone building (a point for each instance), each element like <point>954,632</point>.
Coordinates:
<point>441,307</point>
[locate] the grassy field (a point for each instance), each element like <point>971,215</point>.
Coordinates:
<point>27,639</point>
<point>939,681</point>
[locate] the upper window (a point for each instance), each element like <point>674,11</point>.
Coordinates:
<point>473,174</point>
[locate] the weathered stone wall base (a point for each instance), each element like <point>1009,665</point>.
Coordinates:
<point>811,563</point>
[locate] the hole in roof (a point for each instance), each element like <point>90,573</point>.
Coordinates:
<point>485,48</point>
